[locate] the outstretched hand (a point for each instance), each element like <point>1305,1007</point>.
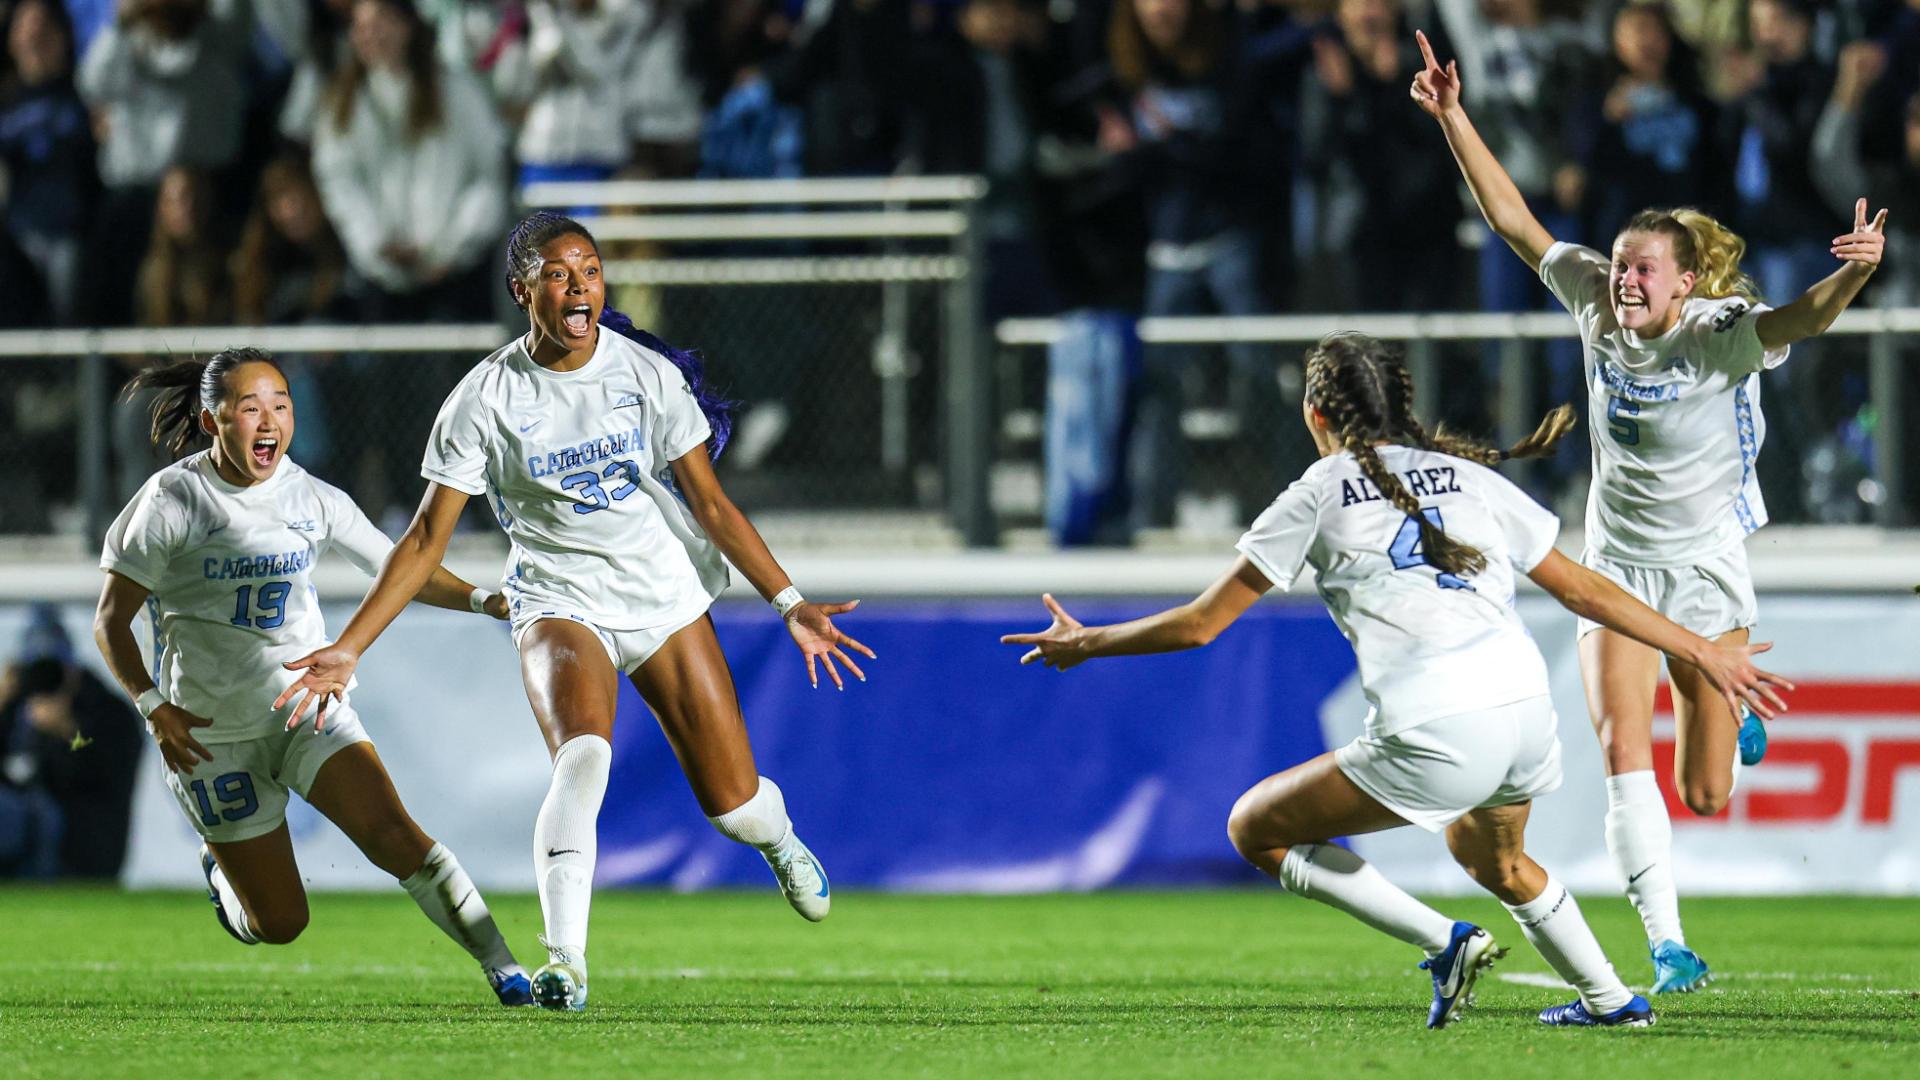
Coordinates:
<point>328,671</point>
<point>1435,89</point>
<point>1059,646</point>
<point>812,628</point>
<point>1728,665</point>
<point>1867,242</point>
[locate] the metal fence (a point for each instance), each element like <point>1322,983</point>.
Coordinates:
<point>1841,413</point>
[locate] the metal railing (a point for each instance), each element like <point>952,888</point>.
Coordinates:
<point>1516,336</point>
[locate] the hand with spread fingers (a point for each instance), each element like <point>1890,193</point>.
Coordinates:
<point>327,673</point>
<point>1728,665</point>
<point>172,728</point>
<point>1059,646</point>
<point>1866,243</point>
<point>812,628</point>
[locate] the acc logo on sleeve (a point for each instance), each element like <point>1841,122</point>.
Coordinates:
<point>1843,756</point>
<point>1729,317</point>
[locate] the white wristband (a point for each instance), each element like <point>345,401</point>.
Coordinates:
<point>148,701</point>
<point>478,599</point>
<point>788,599</point>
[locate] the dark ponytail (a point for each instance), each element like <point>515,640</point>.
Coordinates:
<point>185,387</point>
<point>542,227</point>
<point>1364,389</point>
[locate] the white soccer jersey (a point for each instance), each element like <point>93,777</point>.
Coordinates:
<point>1429,644</point>
<point>229,569</point>
<point>1675,420</point>
<point>577,466</point>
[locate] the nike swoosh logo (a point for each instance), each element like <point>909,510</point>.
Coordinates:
<point>524,428</point>
<point>215,529</point>
<point>552,854</point>
<point>1640,875</point>
<point>463,902</point>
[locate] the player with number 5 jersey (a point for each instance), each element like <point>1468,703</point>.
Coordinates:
<point>595,443</point>
<point>1675,337</point>
<point>219,548</point>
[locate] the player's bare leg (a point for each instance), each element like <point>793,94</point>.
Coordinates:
<point>354,791</point>
<point>1621,676</point>
<point>690,689</point>
<point>257,889</point>
<point>1283,824</point>
<point>571,685</point>
<point>1490,845</point>
<point>1707,735</point>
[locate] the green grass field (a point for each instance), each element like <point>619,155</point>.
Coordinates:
<point>99,983</point>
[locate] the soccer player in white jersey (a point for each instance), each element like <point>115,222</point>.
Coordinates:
<point>1415,544</point>
<point>1675,338</point>
<point>219,548</point>
<point>594,441</point>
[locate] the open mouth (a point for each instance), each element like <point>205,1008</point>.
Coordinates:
<point>579,319</point>
<point>264,451</point>
<point>1630,303</point>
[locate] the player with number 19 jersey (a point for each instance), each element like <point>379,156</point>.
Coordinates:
<point>577,466</point>
<point>229,571</point>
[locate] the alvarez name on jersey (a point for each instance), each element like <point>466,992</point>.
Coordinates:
<point>230,573</point>
<point>1675,420</point>
<point>577,465</point>
<point>1428,644</point>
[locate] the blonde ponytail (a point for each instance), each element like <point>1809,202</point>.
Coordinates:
<point>1703,247</point>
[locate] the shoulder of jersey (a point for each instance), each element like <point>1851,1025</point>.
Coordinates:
<point>1721,316</point>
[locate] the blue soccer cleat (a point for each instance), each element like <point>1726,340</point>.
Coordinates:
<point>207,867</point>
<point>512,987</point>
<point>1635,1013</point>
<point>1677,969</point>
<point>1468,953</point>
<point>1753,738</point>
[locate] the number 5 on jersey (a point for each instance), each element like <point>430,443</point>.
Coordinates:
<point>1407,551</point>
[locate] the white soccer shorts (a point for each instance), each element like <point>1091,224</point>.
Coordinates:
<point>1432,774</point>
<point>242,792</point>
<point>1710,598</point>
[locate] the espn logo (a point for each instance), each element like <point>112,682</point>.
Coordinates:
<point>1838,757</point>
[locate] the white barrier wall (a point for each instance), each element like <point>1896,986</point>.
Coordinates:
<point>1834,809</point>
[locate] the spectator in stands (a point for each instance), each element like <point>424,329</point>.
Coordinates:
<point>167,85</point>
<point>852,75</point>
<point>46,152</point>
<point>314,34</point>
<point>411,167</point>
<point>747,134</point>
<point>1377,215</point>
<point>183,279</point>
<point>1182,128</point>
<point>1780,210</point>
<point>662,101</point>
<point>1648,135</point>
<point>566,77</point>
<point>69,746</point>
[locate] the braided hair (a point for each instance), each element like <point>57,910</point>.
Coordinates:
<point>187,386</point>
<point>1364,389</point>
<point>542,227</point>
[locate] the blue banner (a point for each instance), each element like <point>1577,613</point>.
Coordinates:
<point>956,769</point>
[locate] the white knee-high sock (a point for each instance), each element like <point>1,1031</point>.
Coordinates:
<point>760,822</point>
<point>1640,839</point>
<point>447,895</point>
<point>565,840</point>
<point>1552,921</point>
<point>1338,878</point>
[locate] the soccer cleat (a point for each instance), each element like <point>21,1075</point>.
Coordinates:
<point>1753,738</point>
<point>803,879</point>
<point>1635,1013</point>
<point>1470,951</point>
<point>562,983</point>
<point>511,986</point>
<point>207,867</point>
<point>1677,969</point>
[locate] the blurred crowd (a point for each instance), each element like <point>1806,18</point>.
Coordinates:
<point>276,161</point>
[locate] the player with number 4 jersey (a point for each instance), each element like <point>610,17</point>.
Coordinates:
<point>1675,337</point>
<point>220,548</point>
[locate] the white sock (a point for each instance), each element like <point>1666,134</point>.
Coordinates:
<point>230,903</point>
<point>1338,878</point>
<point>447,895</point>
<point>1552,921</point>
<point>760,822</point>
<point>1640,839</point>
<point>565,841</point>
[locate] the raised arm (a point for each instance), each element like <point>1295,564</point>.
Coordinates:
<point>1859,253</point>
<point>811,624</point>
<point>1728,666</point>
<point>414,560</point>
<point>1189,626</point>
<point>1437,91</point>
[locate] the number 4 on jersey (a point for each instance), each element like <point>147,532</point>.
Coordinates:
<point>1407,551</point>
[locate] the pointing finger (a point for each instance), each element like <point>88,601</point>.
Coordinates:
<point>1426,50</point>
<point>1860,215</point>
